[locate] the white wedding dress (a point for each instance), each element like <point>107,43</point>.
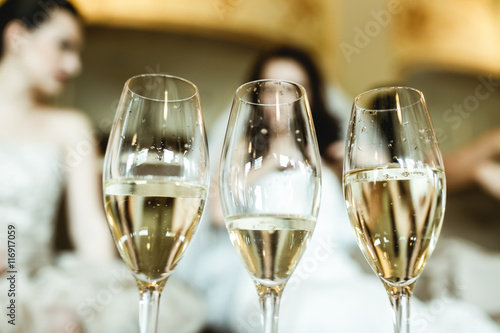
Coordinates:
<point>99,297</point>
<point>329,291</point>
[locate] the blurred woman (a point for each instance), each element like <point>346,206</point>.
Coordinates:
<point>329,290</point>
<point>232,299</point>
<point>45,152</point>
<point>295,65</point>
<point>322,274</point>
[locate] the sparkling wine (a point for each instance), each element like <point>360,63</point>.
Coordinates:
<point>270,246</point>
<point>397,215</point>
<point>152,223</point>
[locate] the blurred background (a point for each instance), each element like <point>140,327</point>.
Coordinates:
<point>444,49</point>
<point>448,49</point>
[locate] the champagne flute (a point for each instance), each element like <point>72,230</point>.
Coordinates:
<point>394,188</point>
<point>155,181</point>
<point>270,180</point>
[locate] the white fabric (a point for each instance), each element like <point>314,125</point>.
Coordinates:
<point>328,292</point>
<point>99,297</point>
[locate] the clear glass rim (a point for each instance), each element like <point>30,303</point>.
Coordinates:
<point>163,76</point>
<point>363,95</point>
<point>256,82</point>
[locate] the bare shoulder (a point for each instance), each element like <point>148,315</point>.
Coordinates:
<point>68,126</point>
<point>67,118</point>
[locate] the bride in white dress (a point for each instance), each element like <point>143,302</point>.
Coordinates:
<point>329,291</point>
<point>45,153</point>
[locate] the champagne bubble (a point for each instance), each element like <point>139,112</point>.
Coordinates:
<point>263,131</point>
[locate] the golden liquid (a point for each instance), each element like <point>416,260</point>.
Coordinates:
<point>152,223</point>
<point>397,216</point>
<point>270,246</point>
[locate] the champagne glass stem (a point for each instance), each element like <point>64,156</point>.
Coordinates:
<point>269,303</point>
<point>400,301</point>
<point>148,309</point>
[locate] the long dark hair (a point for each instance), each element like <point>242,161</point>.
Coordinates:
<point>32,13</point>
<point>326,125</point>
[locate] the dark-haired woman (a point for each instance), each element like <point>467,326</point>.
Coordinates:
<point>45,152</point>
<point>221,275</point>
<point>329,290</point>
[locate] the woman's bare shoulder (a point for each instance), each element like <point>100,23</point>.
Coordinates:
<point>68,126</point>
<point>68,116</point>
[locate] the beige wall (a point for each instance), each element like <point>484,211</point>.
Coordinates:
<point>364,52</point>
<point>448,50</point>
<point>217,58</point>
<point>359,47</point>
